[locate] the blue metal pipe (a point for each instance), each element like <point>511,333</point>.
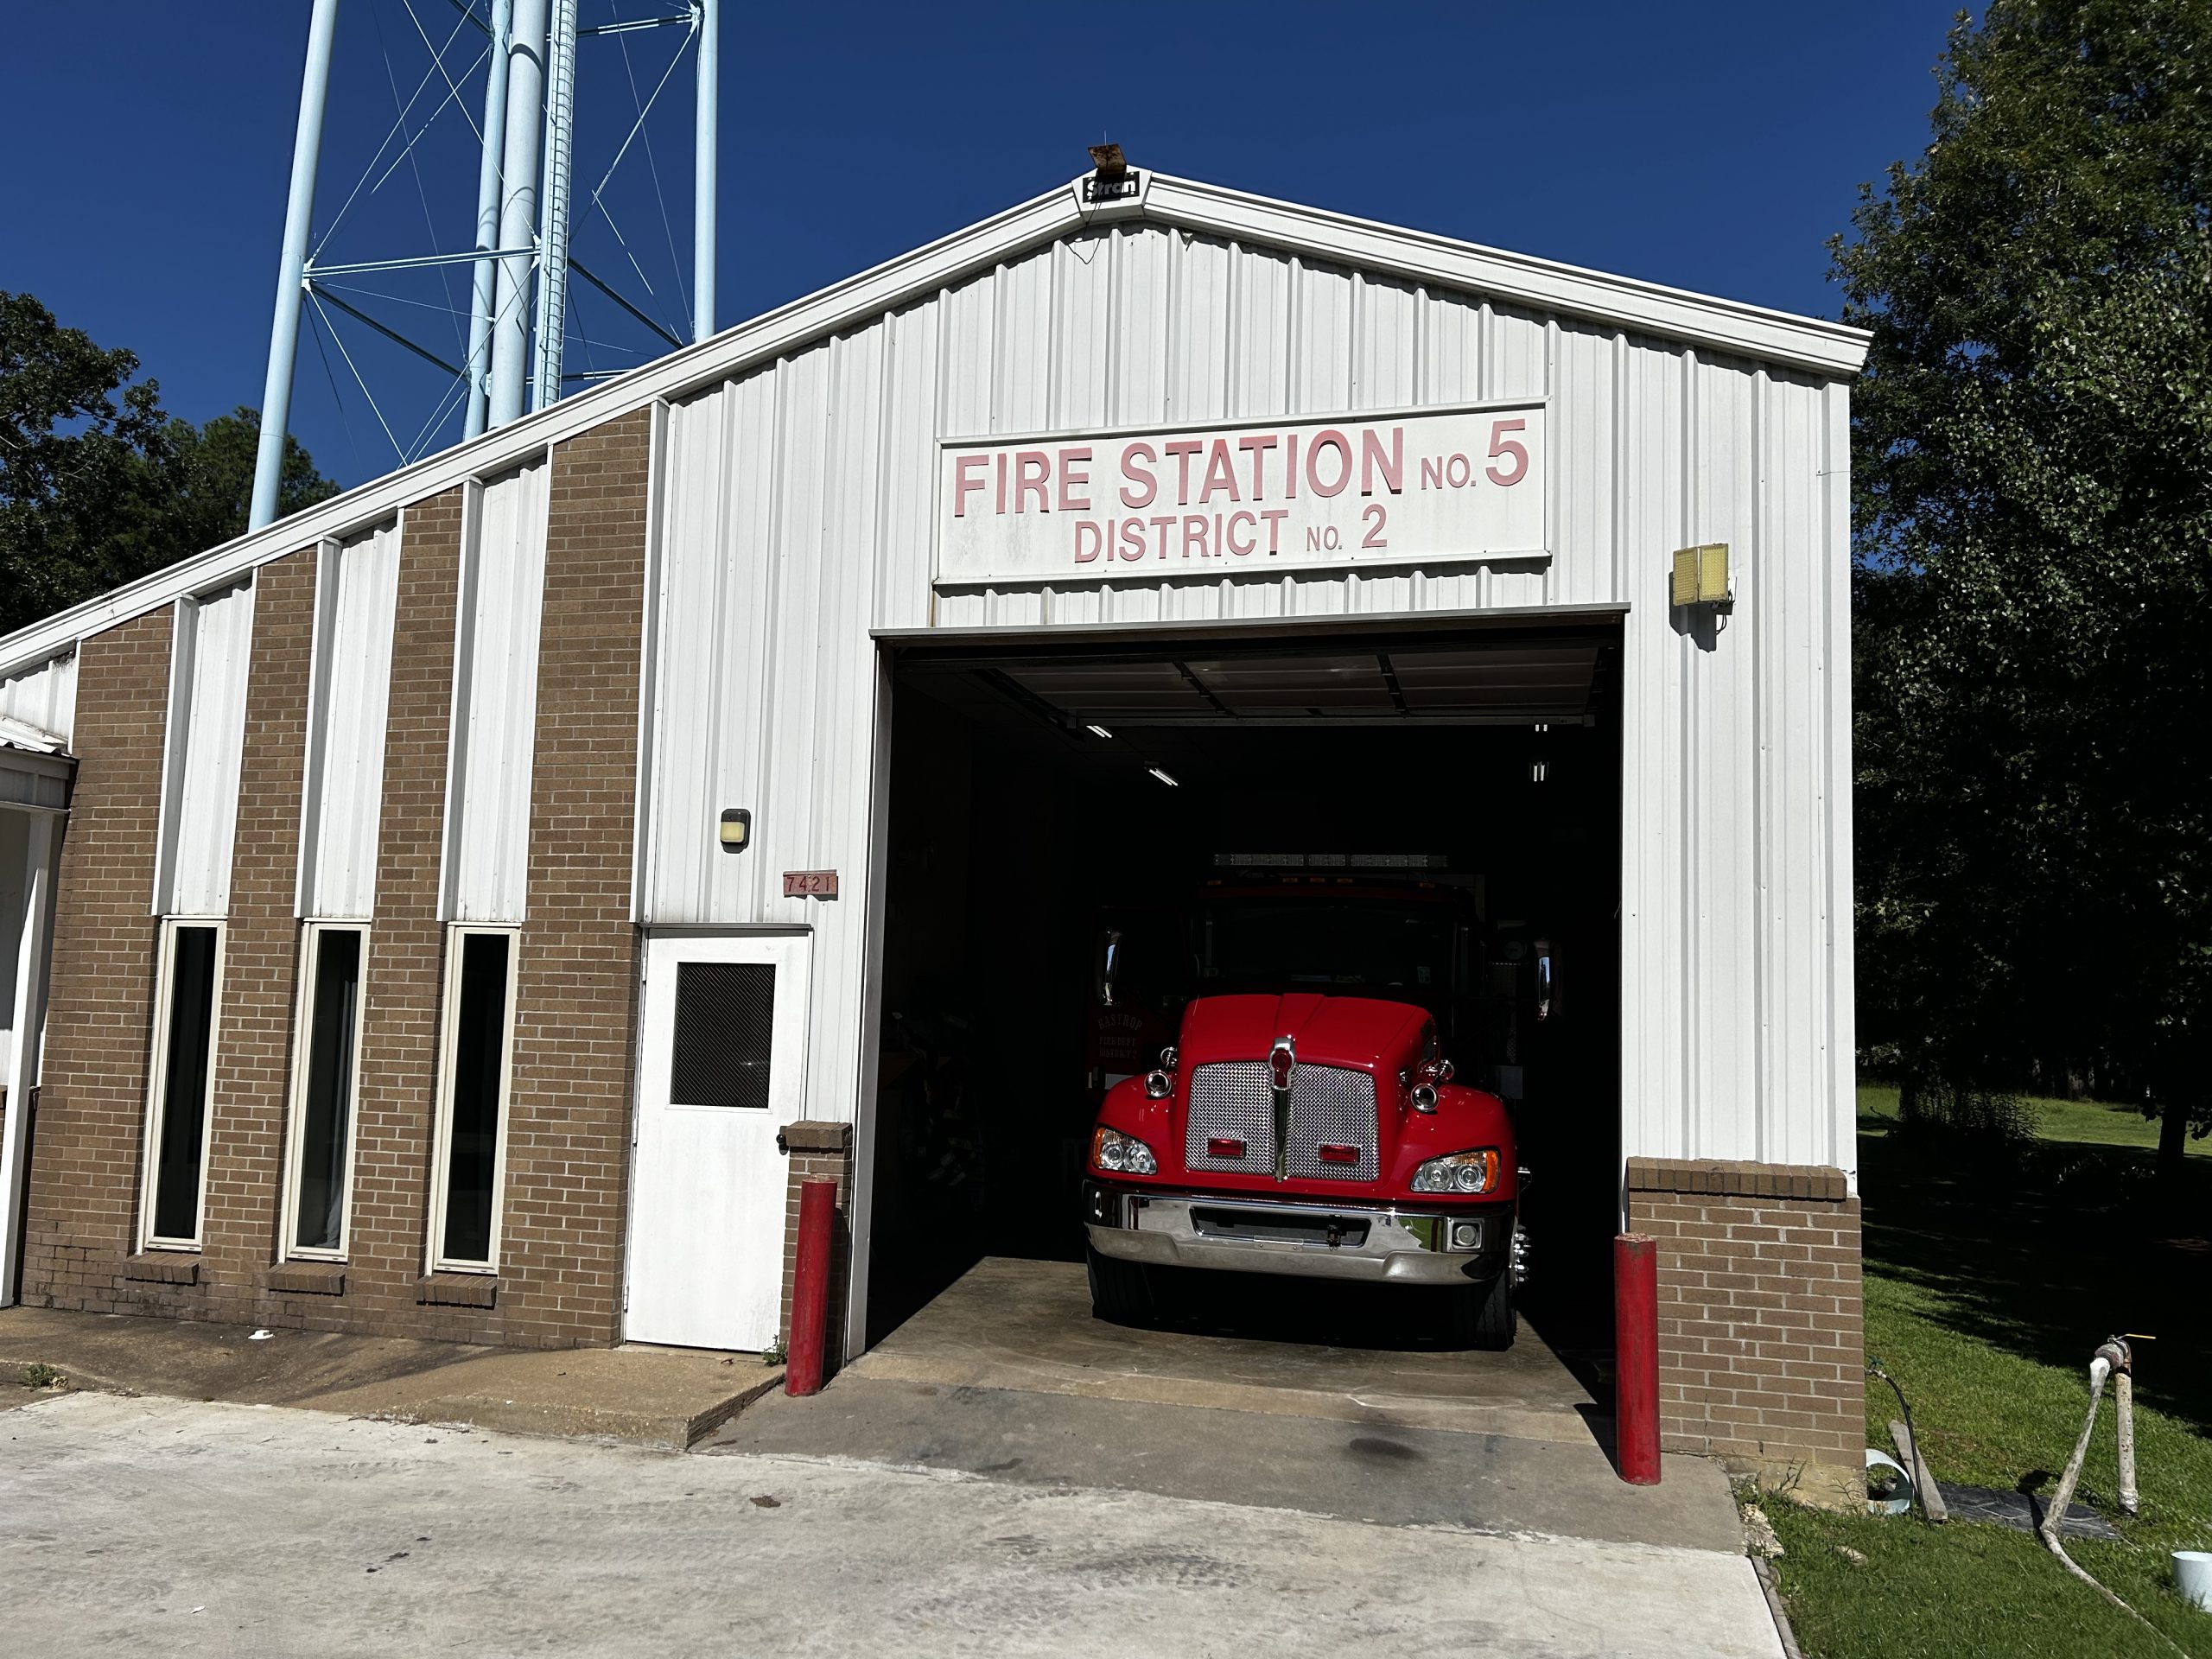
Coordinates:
<point>481,299</point>
<point>702,203</point>
<point>526,131</point>
<point>291,267</point>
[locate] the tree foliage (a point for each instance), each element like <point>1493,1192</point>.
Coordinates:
<point>97,485</point>
<point>2033,502</point>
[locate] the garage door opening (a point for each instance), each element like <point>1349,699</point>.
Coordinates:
<point>1208,808</point>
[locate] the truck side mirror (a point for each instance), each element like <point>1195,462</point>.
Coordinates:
<point>1545,984</point>
<point>1111,960</point>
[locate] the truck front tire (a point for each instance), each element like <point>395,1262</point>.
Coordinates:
<point>1483,1315</point>
<point>1120,1291</point>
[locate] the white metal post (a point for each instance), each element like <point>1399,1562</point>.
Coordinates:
<point>30,1016</point>
<point>517,210</point>
<point>291,267</point>
<point>702,200</point>
<point>553,239</point>
<point>487,219</point>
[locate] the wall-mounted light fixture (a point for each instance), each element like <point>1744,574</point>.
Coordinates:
<point>1701,576</point>
<point>735,831</point>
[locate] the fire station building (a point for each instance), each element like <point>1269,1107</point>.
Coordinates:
<point>467,908</point>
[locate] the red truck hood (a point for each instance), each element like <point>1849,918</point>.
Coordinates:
<point>1364,1033</point>
<point>1354,1031</point>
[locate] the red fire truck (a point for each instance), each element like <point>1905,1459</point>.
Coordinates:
<point>1301,1118</point>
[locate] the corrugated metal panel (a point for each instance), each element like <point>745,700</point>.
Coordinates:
<point>495,702</point>
<point>356,588</point>
<point>1081,369</point>
<point>211,651</point>
<point>45,697</point>
<point>798,504</point>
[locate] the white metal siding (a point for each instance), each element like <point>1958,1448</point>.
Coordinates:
<point>495,700</point>
<point>211,653</point>
<point>356,588</point>
<point>796,508</point>
<point>44,696</point>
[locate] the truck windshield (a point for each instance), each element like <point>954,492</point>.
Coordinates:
<point>1375,943</point>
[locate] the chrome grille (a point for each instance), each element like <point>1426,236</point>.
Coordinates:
<point>1232,1100</point>
<point>1330,1105</point>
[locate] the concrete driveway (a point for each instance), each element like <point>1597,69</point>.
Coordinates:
<point>148,1526</point>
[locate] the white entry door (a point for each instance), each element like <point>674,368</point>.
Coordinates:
<point>723,1065</point>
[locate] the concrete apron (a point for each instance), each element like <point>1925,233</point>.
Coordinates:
<point>1005,1376</point>
<point>1008,1375</point>
<point>1028,1324</point>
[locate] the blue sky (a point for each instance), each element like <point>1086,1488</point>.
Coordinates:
<point>1712,147</point>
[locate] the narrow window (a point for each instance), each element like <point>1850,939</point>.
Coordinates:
<point>480,998</point>
<point>189,985</point>
<point>325,1073</point>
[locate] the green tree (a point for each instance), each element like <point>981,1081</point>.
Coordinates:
<point>205,483</point>
<point>97,485</point>
<point>2033,506</point>
<point>74,441</point>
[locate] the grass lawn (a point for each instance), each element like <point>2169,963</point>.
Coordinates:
<point>1988,1285</point>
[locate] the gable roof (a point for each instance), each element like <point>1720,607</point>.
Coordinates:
<point>1807,345</point>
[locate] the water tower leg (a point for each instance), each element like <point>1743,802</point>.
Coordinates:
<point>291,267</point>
<point>553,239</point>
<point>482,288</point>
<point>517,211</point>
<point>702,207</point>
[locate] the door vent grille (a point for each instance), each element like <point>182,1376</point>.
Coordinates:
<point>725,1026</point>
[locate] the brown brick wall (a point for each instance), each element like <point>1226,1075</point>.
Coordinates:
<point>88,1132</point>
<point>819,1152</point>
<point>569,1129</point>
<point>399,1035</point>
<point>567,1146</point>
<point>1761,1333</point>
<point>253,1060</point>
<point>252,1054</point>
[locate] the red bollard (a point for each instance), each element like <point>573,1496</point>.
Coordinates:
<point>818,1207</point>
<point>1636,1359</point>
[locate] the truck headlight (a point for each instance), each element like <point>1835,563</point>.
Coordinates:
<point>1458,1172</point>
<point>1112,1151</point>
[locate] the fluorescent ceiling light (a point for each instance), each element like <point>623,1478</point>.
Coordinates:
<point>1098,731</point>
<point>1163,777</point>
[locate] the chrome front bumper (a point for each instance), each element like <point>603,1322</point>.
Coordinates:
<point>1373,1242</point>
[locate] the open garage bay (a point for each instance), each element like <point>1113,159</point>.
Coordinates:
<point>1416,814</point>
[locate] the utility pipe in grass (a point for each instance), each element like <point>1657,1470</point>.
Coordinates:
<point>2113,1358</point>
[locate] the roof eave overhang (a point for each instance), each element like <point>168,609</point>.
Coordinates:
<point>33,781</point>
<point>1728,327</point>
<point>1724,327</point>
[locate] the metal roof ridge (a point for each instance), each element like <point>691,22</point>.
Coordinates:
<point>1735,327</point>
<point>1549,284</point>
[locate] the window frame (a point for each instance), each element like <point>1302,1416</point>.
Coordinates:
<point>157,1077</point>
<point>433,1256</point>
<point>307,978</point>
